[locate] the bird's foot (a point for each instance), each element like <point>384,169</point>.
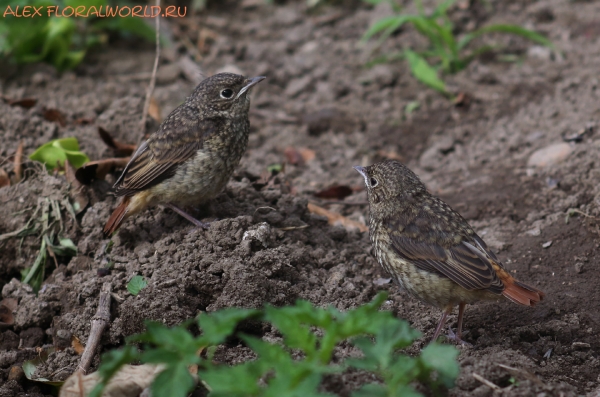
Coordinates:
<point>196,222</point>
<point>457,339</point>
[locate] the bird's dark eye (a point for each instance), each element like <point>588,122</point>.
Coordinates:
<point>227,93</point>
<point>373,182</point>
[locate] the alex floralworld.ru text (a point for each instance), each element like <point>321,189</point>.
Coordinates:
<point>93,11</point>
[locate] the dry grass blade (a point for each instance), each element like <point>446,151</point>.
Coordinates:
<point>523,374</point>
<point>18,163</point>
<point>486,382</point>
<point>336,219</point>
<point>152,79</point>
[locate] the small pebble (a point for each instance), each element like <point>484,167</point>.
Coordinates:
<point>580,345</point>
<point>550,155</point>
<point>547,244</point>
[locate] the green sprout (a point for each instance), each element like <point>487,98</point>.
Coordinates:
<point>446,53</point>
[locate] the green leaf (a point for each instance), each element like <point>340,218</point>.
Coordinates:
<point>237,381</point>
<point>442,358</point>
<point>411,107</point>
<point>174,381</point>
<point>65,247</point>
<point>424,72</point>
<point>55,152</point>
<point>111,362</point>
<point>275,168</point>
<point>371,390</point>
<point>510,29</point>
<point>136,284</point>
<point>219,325</point>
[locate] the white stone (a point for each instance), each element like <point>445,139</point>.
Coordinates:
<point>550,155</point>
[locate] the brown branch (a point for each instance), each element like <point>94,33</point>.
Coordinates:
<point>152,79</point>
<point>99,323</point>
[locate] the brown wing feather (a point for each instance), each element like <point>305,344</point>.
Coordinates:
<point>158,157</point>
<point>459,263</point>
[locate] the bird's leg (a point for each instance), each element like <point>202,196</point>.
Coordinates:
<point>461,312</point>
<point>457,338</point>
<point>187,216</point>
<point>441,324</point>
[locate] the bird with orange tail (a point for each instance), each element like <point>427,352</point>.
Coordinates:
<point>430,250</point>
<point>191,157</point>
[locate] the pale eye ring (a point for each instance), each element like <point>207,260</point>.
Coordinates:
<point>227,93</point>
<point>373,182</point>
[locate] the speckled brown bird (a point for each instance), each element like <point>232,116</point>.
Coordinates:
<point>191,157</point>
<point>430,250</point>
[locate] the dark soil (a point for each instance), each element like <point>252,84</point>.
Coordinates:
<point>320,96</point>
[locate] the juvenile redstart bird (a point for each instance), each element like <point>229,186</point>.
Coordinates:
<point>430,250</point>
<point>191,157</point>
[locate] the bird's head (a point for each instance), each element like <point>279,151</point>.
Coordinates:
<point>387,183</point>
<point>224,95</point>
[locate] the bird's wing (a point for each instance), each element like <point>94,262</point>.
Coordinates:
<point>158,158</point>
<point>467,264</point>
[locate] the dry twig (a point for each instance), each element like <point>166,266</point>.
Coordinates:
<point>486,382</point>
<point>18,166</point>
<point>152,79</point>
<point>99,323</point>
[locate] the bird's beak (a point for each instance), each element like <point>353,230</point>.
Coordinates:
<point>251,82</point>
<point>363,172</point>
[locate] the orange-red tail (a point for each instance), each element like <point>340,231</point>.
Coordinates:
<point>521,293</point>
<point>115,220</point>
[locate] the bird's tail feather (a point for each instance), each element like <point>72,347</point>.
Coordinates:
<point>115,220</point>
<point>521,293</point>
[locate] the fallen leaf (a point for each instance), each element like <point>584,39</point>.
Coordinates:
<point>84,121</point>
<point>56,116</point>
<point>76,345</point>
<point>336,219</point>
<point>121,149</point>
<point>18,163</point>
<point>462,100</point>
<point>307,154</point>
<point>78,192</point>
<point>4,179</point>
<point>392,155</point>
<point>26,103</point>
<point>293,156</point>
<point>30,367</point>
<point>337,192</point>
<point>98,169</point>
<point>129,381</point>
<point>154,110</point>
<point>7,307</point>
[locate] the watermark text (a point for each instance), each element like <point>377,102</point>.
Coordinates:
<point>93,11</point>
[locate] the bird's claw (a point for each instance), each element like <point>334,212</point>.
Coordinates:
<point>456,339</point>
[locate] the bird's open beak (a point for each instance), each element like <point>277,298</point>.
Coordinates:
<point>363,172</point>
<point>251,82</point>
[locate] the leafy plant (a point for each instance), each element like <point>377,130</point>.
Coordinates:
<point>308,332</point>
<point>136,284</point>
<point>446,52</point>
<point>56,152</point>
<point>60,41</point>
